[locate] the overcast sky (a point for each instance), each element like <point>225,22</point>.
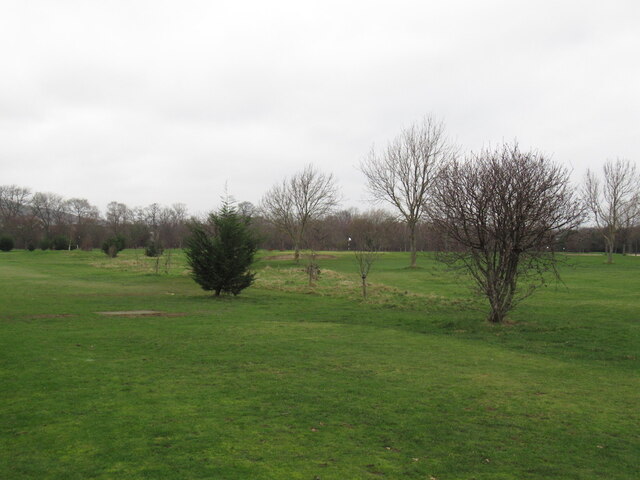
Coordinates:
<point>165,101</point>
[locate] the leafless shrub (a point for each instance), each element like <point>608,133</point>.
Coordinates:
<point>503,209</point>
<point>366,254</point>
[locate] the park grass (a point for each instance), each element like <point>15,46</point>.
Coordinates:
<point>291,381</point>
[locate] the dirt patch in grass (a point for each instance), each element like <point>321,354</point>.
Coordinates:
<point>139,313</point>
<point>291,257</point>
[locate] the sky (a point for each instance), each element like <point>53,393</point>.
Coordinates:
<point>169,101</point>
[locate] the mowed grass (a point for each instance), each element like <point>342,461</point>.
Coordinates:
<point>288,381</point>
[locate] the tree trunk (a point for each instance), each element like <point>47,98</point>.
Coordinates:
<point>609,242</point>
<point>412,245</point>
<point>500,294</point>
<point>496,316</point>
<point>499,310</point>
<point>364,286</point>
<point>609,250</point>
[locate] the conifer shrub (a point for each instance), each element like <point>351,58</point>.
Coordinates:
<point>153,249</point>
<point>113,245</point>
<point>6,243</point>
<point>59,242</point>
<point>221,252</point>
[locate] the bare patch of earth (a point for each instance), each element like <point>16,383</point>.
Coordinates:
<point>291,257</point>
<point>139,313</point>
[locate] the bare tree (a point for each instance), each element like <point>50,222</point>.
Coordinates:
<point>50,209</point>
<point>403,174</point>
<point>366,254</point>
<point>178,222</point>
<point>13,200</point>
<point>504,209</point>
<point>82,215</point>
<point>614,203</point>
<point>13,203</point>
<point>293,204</point>
<point>118,214</point>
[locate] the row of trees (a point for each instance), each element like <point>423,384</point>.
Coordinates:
<point>40,219</point>
<point>48,220</point>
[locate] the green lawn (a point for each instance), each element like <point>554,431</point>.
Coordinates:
<point>288,381</point>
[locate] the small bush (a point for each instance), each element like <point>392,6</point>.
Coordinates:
<point>153,249</point>
<point>31,246</point>
<point>44,244</point>
<point>59,243</point>
<point>6,243</point>
<point>86,244</point>
<point>113,245</point>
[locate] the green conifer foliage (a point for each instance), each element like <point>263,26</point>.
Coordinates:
<point>221,252</point>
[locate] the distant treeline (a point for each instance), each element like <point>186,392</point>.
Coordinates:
<point>48,220</point>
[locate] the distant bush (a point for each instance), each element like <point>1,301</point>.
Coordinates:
<point>87,244</point>
<point>113,245</point>
<point>31,246</point>
<point>153,249</point>
<point>44,244</point>
<point>6,243</point>
<point>59,243</point>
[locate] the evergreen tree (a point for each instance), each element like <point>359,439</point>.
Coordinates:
<point>221,252</point>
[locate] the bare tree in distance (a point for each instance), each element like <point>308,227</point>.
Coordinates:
<point>13,206</point>
<point>403,174</point>
<point>293,204</point>
<point>50,209</point>
<point>503,209</point>
<point>82,213</point>
<point>117,216</point>
<point>13,200</point>
<point>614,202</point>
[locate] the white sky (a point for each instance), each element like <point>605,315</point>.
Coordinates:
<point>165,101</point>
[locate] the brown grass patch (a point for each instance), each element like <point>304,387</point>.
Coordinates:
<point>139,313</point>
<point>302,256</point>
<point>336,284</point>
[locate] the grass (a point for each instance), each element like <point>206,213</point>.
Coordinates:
<point>289,381</point>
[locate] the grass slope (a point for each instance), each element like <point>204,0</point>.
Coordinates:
<point>299,382</point>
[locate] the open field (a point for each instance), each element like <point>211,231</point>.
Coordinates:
<point>287,381</point>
